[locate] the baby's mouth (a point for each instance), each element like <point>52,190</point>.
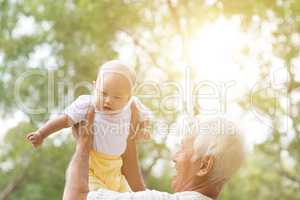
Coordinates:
<point>106,108</point>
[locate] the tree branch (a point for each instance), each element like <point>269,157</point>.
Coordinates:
<point>11,187</point>
<point>137,43</point>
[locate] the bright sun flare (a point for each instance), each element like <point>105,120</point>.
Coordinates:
<point>214,47</point>
<point>214,51</point>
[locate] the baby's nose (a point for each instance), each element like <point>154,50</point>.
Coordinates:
<point>107,100</point>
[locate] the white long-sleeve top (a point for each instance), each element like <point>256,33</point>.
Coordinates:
<point>103,194</point>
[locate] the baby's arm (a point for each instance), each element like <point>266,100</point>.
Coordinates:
<point>53,125</point>
<point>73,114</point>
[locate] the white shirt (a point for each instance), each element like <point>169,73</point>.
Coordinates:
<point>103,194</point>
<point>110,130</point>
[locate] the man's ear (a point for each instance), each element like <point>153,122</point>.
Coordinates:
<point>206,165</point>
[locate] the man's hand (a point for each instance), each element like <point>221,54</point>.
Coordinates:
<point>144,131</point>
<point>139,130</point>
<point>35,138</point>
<point>83,131</point>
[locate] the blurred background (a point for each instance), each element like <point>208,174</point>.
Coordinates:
<point>238,59</point>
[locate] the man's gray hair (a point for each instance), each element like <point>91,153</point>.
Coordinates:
<point>221,139</point>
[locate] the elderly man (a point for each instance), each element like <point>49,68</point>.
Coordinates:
<point>204,163</point>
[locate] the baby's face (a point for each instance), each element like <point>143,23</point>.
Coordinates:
<point>113,92</point>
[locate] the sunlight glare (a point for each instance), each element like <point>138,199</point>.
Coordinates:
<point>214,47</point>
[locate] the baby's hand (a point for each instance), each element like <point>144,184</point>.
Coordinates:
<point>35,138</point>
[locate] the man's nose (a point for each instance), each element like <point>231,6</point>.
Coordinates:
<point>174,157</point>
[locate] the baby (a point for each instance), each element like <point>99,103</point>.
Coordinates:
<point>112,101</point>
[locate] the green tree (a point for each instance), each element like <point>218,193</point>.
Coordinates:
<point>80,35</point>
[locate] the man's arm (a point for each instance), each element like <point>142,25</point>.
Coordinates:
<point>131,168</point>
<point>76,187</point>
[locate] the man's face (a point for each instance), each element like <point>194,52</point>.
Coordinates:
<point>183,164</point>
<point>113,92</point>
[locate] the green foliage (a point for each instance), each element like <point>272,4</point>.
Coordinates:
<point>80,35</point>
<point>37,173</point>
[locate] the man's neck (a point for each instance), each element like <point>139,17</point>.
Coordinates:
<point>207,188</point>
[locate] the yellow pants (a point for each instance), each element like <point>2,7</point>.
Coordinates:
<point>105,172</point>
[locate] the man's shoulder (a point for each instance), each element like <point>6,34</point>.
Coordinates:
<point>101,194</point>
<point>144,195</point>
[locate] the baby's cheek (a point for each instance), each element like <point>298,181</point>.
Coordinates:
<point>120,105</point>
